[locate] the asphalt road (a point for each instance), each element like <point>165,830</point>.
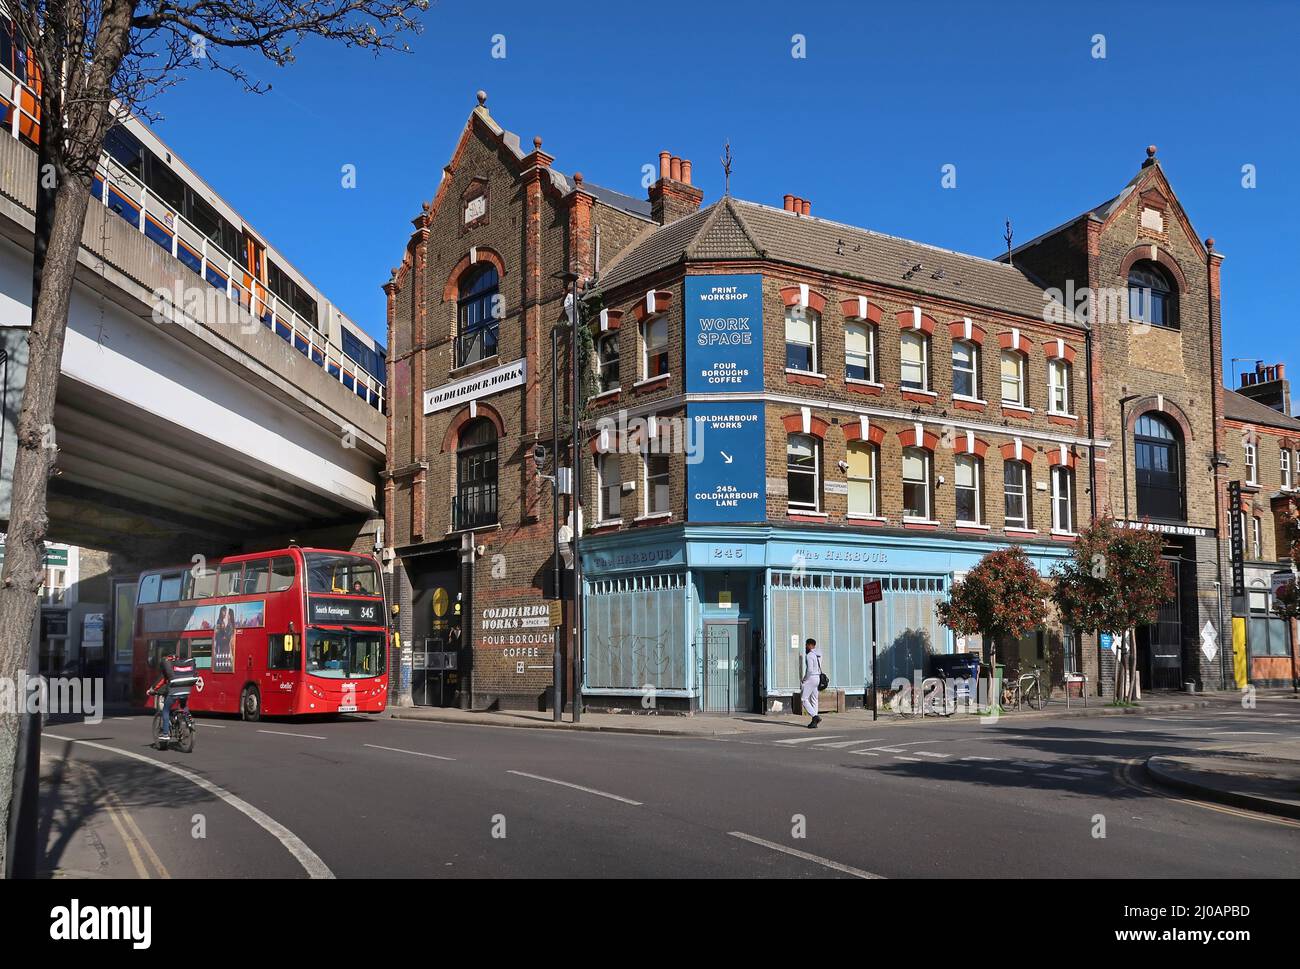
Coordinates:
<point>362,797</point>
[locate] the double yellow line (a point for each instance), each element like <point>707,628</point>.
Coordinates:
<point>145,860</point>
<point>1127,775</point>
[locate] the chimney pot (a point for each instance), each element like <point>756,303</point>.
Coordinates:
<point>663,164</point>
<point>807,207</point>
<point>1281,371</point>
<point>686,170</point>
<point>789,202</point>
<point>675,169</point>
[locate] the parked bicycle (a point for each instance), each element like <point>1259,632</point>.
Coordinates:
<point>1032,688</point>
<point>934,697</point>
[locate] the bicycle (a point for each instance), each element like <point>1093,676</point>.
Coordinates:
<point>934,697</point>
<point>182,727</point>
<point>1030,689</point>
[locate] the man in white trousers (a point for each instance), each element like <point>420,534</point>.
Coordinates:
<point>812,674</point>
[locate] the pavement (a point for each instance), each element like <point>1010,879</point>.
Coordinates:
<point>1256,777</point>
<point>710,725</point>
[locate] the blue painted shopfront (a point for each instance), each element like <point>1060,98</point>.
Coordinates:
<point>667,611</point>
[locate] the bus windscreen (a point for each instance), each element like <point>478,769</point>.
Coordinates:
<point>342,575</point>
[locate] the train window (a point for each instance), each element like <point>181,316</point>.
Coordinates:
<point>126,150</point>
<point>149,588</point>
<point>204,218</point>
<point>165,183</point>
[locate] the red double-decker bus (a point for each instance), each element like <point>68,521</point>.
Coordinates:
<point>289,632</point>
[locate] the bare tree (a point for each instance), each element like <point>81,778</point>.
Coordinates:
<point>98,60</point>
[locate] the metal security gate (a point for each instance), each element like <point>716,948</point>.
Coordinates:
<point>727,674</point>
<point>1164,639</point>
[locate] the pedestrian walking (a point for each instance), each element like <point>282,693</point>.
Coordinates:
<point>813,680</point>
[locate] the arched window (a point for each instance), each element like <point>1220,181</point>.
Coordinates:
<point>476,475</point>
<point>1152,296</point>
<point>1158,460</point>
<point>477,312</point>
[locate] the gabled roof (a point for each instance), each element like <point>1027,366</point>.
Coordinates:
<point>733,229</point>
<point>1239,407</point>
<point>617,200</point>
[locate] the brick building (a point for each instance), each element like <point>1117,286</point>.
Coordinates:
<point>1263,446</point>
<point>787,407</point>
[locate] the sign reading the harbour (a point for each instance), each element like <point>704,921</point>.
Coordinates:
<point>479,385</point>
<point>729,482</point>
<point>724,334</point>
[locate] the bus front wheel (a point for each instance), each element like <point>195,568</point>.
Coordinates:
<point>250,704</point>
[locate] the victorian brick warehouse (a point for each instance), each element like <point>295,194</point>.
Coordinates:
<point>786,407</point>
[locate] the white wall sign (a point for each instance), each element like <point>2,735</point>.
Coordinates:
<point>479,385</point>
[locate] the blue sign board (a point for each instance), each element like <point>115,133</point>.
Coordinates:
<point>729,481</point>
<point>724,334</point>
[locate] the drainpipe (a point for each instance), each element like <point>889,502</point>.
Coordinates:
<point>1214,461</point>
<point>1092,430</point>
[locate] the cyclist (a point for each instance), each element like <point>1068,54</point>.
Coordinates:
<point>178,677</point>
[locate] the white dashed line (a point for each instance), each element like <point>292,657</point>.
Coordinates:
<point>806,740</point>
<point>815,859</point>
<point>576,787</point>
<point>417,753</point>
<point>285,733</point>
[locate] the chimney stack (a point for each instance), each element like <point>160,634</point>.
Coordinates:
<point>797,205</point>
<point>673,196</point>
<point>1268,385</point>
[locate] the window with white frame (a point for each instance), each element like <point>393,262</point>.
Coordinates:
<point>1062,498</point>
<point>965,369</point>
<point>916,483</point>
<point>656,483</point>
<point>607,352</point>
<point>1058,386</point>
<point>864,481</point>
<point>967,472</point>
<point>654,347</point>
<point>801,326</point>
<point>1013,377</point>
<point>1286,468</point>
<point>914,357</point>
<point>609,487</point>
<point>1015,486</point>
<point>1251,450</point>
<point>803,472</point>
<point>1257,537</point>
<point>860,351</point>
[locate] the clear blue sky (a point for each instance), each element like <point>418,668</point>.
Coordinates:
<point>1039,130</point>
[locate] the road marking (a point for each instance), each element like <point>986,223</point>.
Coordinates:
<point>123,718</point>
<point>1086,770</point>
<point>1126,774</point>
<point>1004,770</point>
<point>815,859</point>
<point>864,753</point>
<point>417,753</point>
<point>847,743</point>
<point>576,787</point>
<point>890,750</point>
<point>930,753</point>
<point>285,733</point>
<point>1245,733</point>
<point>807,740</point>
<point>911,760</point>
<point>1031,764</point>
<point>979,758</point>
<point>214,726</point>
<point>310,861</point>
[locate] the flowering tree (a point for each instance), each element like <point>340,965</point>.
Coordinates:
<point>1115,582</point>
<point>1002,597</point>
<point>1286,601</point>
